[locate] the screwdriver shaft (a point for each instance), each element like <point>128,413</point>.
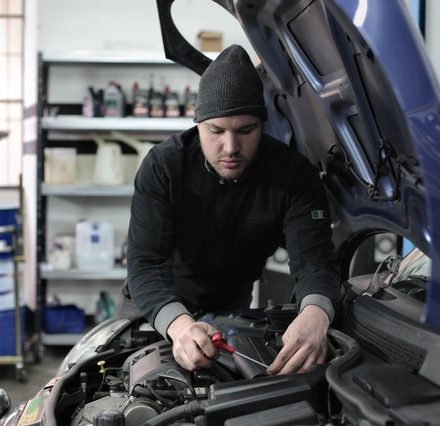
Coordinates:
<point>251,359</point>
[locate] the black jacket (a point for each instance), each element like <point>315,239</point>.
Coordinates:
<point>196,240</point>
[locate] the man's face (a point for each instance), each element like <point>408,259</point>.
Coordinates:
<point>230,143</point>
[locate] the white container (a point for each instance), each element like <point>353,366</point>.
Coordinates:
<point>94,245</point>
<point>60,166</point>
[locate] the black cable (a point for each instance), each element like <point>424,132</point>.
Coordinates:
<point>139,390</point>
<point>192,409</point>
<point>178,379</point>
<point>166,402</point>
<point>104,375</point>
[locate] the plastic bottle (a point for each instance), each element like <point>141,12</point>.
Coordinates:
<point>189,102</point>
<point>140,101</point>
<point>114,100</point>
<point>155,104</point>
<point>170,103</point>
<point>94,245</point>
<point>88,106</point>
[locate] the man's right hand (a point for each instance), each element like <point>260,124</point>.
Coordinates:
<point>192,345</point>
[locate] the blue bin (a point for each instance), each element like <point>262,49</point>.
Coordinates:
<point>7,333</point>
<point>8,217</point>
<point>63,319</point>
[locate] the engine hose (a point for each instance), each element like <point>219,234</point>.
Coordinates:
<point>192,409</point>
<point>141,391</point>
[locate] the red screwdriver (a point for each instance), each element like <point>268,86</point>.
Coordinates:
<point>220,343</point>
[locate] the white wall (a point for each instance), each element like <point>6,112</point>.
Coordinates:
<point>123,28</point>
<point>432,33</point>
<point>126,26</point>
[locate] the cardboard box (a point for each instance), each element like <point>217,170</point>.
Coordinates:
<point>210,41</point>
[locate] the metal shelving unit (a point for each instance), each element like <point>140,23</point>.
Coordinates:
<point>75,122</point>
<point>80,275</point>
<point>86,190</point>
<point>75,129</point>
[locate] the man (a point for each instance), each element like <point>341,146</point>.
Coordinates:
<point>210,205</point>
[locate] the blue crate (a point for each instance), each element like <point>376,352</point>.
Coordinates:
<point>7,331</point>
<point>8,216</point>
<point>63,319</point>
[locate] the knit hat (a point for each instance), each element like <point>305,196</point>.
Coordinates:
<point>230,86</point>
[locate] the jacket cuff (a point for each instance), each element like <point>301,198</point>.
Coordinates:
<point>322,302</point>
<point>167,315</point>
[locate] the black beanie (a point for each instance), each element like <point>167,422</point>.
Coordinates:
<point>230,86</point>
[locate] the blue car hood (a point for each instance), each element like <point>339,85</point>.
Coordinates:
<point>348,83</point>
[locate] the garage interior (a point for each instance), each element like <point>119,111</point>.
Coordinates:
<point>67,163</point>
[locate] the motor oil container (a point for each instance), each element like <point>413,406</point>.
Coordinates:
<point>88,105</point>
<point>94,245</point>
<point>189,102</point>
<point>114,100</point>
<point>170,103</point>
<point>140,101</point>
<point>156,105</point>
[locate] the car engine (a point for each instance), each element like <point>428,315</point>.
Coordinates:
<point>132,385</point>
<point>378,371</point>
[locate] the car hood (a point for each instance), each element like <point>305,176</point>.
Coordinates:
<point>349,85</point>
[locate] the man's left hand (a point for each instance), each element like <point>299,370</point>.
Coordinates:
<point>305,342</point>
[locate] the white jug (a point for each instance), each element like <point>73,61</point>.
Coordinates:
<point>141,148</point>
<point>108,163</point>
<point>94,245</point>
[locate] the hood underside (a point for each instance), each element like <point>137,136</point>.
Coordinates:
<point>348,84</point>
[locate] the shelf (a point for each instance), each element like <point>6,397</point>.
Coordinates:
<point>86,190</point>
<point>76,274</point>
<point>86,57</point>
<point>77,122</point>
<point>95,58</point>
<point>62,339</point>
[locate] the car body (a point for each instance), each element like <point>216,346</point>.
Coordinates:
<point>348,84</point>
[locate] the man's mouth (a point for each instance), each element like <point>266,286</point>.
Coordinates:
<point>230,163</point>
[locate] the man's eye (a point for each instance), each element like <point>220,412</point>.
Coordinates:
<point>246,130</point>
<point>216,131</point>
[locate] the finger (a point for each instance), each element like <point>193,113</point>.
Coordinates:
<point>295,362</point>
<point>210,331</point>
<point>183,360</point>
<point>192,359</point>
<point>205,344</point>
<point>307,364</point>
<point>202,335</point>
<point>285,354</point>
<point>197,356</point>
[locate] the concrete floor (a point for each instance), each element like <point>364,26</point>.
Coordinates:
<point>38,374</point>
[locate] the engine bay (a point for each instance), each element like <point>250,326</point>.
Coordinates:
<point>378,369</point>
<point>144,385</point>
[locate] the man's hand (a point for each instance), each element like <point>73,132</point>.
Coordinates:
<point>305,342</point>
<point>192,345</point>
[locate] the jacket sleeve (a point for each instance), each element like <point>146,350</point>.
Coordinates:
<point>151,239</point>
<point>307,233</point>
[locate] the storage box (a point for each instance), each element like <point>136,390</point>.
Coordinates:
<point>60,166</point>
<point>63,319</point>
<point>8,217</point>
<point>7,340</point>
<point>210,41</point>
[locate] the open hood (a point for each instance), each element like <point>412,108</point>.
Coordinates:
<point>348,84</point>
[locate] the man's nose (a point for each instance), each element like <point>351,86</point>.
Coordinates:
<point>231,144</point>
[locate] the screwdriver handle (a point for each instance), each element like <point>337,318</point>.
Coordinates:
<point>220,343</point>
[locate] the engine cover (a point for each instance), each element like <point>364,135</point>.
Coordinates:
<point>150,362</point>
